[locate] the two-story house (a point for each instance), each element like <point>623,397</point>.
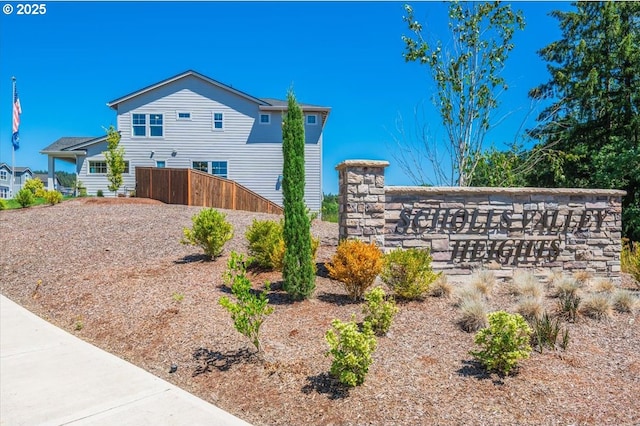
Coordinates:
<point>7,179</point>
<point>193,121</point>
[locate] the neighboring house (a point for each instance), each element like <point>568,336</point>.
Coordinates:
<point>193,121</point>
<point>6,179</point>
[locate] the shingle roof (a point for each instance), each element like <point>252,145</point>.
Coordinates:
<point>281,103</point>
<point>65,143</point>
<point>17,168</point>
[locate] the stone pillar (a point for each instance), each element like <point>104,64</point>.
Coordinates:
<point>361,199</point>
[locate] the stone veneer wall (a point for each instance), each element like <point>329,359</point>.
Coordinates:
<point>503,228</point>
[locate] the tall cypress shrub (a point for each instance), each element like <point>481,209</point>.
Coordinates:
<point>298,272</point>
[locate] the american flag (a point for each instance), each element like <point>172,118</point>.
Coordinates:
<point>17,110</point>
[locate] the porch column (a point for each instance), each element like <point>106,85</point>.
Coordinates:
<point>51,173</point>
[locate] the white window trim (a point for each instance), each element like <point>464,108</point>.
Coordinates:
<point>126,162</point>
<point>219,161</point>
<point>4,175</point>
<point>147,124</point>
<point>307,119</point>
<point>213,121</point>
<point>178,118</point>
<point>268,118</point>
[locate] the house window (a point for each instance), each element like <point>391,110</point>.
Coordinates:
<point>97,167</point>
<point>201,165</point>
<point>217,120</point>
<point>161,164</point>
<point>139,122</point>
<point>3,175</point>
<point>219,168</point>
<point>4,192</point>
<point>100,168</point>
<point>265,118</point>
<point>312,119</point>
<point>155,125</point>
<point>184,115</point>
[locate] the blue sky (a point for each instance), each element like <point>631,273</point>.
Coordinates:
<point>346,55</point>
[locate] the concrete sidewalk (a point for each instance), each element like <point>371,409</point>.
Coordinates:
<point>50,377</point>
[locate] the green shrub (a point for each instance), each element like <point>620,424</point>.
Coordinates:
<point>99,193</point>
<point>250,310</point>
<point>356,264</point>
<point>545,332</point>
<point>3,204</point>
<point>35,186</point>
<point>25,197</point>
<point>379,312</point>
<point>210,231</point>
<point>263,237</point>
<point>53,197</point>
<point>277,255</point>
<point>408,272</point>
<point>351,350</point>
<point>503,343</point>
<point>630,259</point>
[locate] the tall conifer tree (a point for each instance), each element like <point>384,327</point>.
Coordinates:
<point>298,272</point>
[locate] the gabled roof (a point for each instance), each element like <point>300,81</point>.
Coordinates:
<point>264,103</point>
<point>71,143</point>
<point>19,170</point>
<point>114,103</point>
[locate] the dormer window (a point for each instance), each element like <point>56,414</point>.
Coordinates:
<point>312,119</point>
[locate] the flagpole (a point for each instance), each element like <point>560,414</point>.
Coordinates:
<point>13,147</point>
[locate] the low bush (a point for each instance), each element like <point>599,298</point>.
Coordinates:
<point>483,280</point>
<point>53,197</point>
<point>99,193</point>
<point>503,343</point>
<point>35,186</point>
<point>378,311</point>
<point>210,231</point>
<point>440,287</point>
<point>250,310</point>
<point>351,350</point>
<point>356,264</point>
<point>545,333</point>
<point>3,204</point>
<point>630,259</point>
<point>473,314</point>
<point>597,306</point>
<point>624,301</point>
<point>266,244</point>
<point>408,272</point>
<point>25,197</point>
<point>263,237</point>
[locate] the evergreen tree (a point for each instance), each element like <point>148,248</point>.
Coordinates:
<point>114,156</point>
<point>298,271</point>
<point>592,121</point>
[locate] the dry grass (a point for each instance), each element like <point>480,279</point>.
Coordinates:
<point>624,301</point>
<point>441,287</point>
<point>566,287</point>
<point>483,280</point>
<point>597,306</point>
<point>604,285</point>
<point>582,277</point>
<point>525,283</point>
<point>473,314</point>
<point>118,266</point>
<point>531,308</point>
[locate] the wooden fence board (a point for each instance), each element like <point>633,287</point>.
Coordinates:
<point>196,188</point>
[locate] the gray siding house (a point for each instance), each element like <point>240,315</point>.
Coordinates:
<point>7,180</point>
<point>193,121</point>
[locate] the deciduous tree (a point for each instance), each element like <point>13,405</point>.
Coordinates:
<point>114,156</point>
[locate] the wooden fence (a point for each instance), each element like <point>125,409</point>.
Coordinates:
<point>195,188</point>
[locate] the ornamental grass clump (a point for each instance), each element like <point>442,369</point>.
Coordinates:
<point>441,287</point>
<point>503,343</point>
<point>379,311</point>
<point>545,333</point>
<point>408,273</point>
<point>525,283</point>
<point>624,301</point>
<point>210,231</point>
<point>566,287</point>
<point>250,310</point>
<point>473,314</point>
<point>351,349</point>
<point>356,265</point>
<point>604,285</point>
<point>483,280</point>
<point>530,307</point>
<point>597,306</point>
<point>630,259</point>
